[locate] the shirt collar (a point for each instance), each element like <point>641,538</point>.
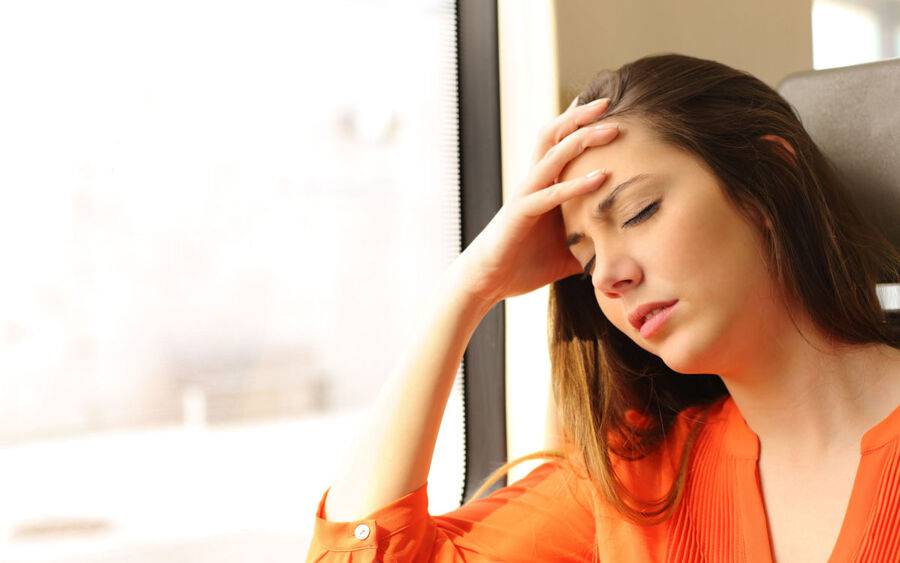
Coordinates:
<point>742,442</point>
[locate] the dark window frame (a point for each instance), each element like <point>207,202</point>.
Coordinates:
<point>481,196</point>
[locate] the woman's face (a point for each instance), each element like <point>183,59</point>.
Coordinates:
<point>685,241</point>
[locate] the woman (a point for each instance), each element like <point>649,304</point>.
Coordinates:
<point>752,415</point>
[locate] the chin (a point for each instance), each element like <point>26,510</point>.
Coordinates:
<point>691,354</point>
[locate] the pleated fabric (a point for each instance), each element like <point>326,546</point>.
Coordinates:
<point>547,516</point>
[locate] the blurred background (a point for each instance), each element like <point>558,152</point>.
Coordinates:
<point>218,221</point>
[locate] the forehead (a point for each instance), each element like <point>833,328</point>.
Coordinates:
<point>634,151</point>
<point>634,144</point>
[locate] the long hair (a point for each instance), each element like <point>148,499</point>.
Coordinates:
<point>819,249</point>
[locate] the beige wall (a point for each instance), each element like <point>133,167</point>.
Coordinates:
<point>768,38</point>
<point>549,50</point>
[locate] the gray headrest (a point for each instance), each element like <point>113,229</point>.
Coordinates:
<point>853,114</point>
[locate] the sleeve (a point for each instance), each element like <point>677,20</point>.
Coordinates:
<point>544,516</point>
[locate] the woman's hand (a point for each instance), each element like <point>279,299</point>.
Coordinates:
<point>523,247</point>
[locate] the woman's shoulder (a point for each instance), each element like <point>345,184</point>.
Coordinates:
<point>653,474</point>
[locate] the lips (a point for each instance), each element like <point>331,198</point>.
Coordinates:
<point>636,318</point>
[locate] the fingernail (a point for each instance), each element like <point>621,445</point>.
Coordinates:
<point>603,126</point>
<point>599,101</point>
<point>596,172</point>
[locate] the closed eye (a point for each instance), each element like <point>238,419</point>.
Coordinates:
<point>642,216</point>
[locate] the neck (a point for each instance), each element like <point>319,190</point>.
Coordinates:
<point>811,399</point>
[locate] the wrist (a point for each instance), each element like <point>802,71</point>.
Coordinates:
<point>458,282</point>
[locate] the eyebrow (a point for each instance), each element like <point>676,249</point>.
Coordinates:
<point>604,206</point>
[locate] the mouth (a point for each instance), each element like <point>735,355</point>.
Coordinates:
<point>648,311</point>
<point>655,320</point>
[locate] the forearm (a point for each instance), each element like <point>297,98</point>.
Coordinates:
<point>392,455</point>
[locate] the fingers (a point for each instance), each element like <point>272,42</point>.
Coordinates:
<point>546,171</point>
<point>567,122</point>
<point>536,204</point>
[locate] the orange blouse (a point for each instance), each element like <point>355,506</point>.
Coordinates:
<point>546,515</point>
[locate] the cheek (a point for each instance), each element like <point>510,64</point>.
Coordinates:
<point>714,260</point>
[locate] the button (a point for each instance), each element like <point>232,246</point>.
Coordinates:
<point>361,532</point>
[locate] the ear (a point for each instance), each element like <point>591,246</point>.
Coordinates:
<point>761,218</point>
<point>787,146</point>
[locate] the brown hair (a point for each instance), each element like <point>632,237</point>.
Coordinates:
<point>800,206</point>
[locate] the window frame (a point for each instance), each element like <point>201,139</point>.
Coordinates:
<point>481,196</point>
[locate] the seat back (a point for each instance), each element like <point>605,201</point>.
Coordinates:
<point>853,115</point>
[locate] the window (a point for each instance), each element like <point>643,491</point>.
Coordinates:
<point>851,32</point>
<point>217,221</point>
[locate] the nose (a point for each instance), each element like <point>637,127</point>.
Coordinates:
<point>616,275</point>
